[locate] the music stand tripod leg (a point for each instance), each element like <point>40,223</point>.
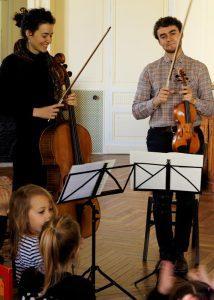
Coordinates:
<point>147,276</point>
<point>95,268</point>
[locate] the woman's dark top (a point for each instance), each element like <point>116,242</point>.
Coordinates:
<point>70,287</point>
<point>25,84</point>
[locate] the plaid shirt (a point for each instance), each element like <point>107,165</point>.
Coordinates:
<point>154,77</point>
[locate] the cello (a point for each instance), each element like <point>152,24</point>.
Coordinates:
<point>62,145</point>
<point>65,143</point>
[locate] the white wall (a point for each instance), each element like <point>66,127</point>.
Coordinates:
<point>130,46</point>
<point>38,3</point>
<point>198,41</point>
<point>9,32</point>
<point>127,49</point>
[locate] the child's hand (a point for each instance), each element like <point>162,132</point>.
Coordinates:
<point>200,274</point>
<point>166,278</point>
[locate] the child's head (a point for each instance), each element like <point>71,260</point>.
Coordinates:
<point>193,290</point>
<point>30,207</point>
<point>59,244</point>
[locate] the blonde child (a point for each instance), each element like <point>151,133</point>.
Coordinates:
<point>30,207</point>
<point>59,246</point>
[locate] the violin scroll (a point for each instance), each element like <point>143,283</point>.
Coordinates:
<point>181,76</point>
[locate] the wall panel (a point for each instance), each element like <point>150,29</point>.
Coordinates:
<point>133,42</point>
<point>198,39</point>
<point>83,31</point>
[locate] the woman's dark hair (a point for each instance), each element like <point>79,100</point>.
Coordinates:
<point>165,22</point>
<point>32,19</point>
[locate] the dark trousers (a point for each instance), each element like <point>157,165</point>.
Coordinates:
<point>28,172</point>
<point>160,140</point>
<point>27,167</point>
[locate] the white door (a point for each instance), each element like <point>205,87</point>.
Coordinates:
<point>132,48</point>
<point>114,70</point>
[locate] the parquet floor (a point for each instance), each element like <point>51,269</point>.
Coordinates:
<point>120,238</point>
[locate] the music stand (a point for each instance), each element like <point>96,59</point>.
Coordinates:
<point>170,172</point>
<point>92,177</point>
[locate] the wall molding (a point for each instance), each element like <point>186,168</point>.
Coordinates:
<point>38,4</point>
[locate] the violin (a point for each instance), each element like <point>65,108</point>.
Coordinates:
<point>185,139</point>
<point>63,144</point>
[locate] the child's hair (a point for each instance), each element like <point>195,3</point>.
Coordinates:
<point>59,242</point>
<point>19,207</point>
<point>198,289</point>
<point>32,19</point>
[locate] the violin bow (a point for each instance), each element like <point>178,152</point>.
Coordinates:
<point>85,64</point>
<point>178,44</point>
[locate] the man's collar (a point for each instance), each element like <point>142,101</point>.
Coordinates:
<point>179,59</point>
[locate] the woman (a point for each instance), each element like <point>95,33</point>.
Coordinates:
<point>30,88</point>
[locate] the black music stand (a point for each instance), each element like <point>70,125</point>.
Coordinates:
<point>92,181</point>
<point>171,173</point>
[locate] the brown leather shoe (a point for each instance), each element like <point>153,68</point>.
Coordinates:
<point>181,266</point>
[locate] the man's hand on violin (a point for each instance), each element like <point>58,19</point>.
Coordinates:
<point>71,99</point>
<point>47,112</point>
<point>162,96</point>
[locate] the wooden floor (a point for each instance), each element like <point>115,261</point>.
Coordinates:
<point>120,238</point>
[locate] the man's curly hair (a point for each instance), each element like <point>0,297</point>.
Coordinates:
<point>165,22</point>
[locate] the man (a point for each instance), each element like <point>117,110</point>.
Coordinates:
<point>156,101</point>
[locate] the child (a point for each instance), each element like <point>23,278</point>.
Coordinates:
<point>30,207</point>
<point>59,246</point>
